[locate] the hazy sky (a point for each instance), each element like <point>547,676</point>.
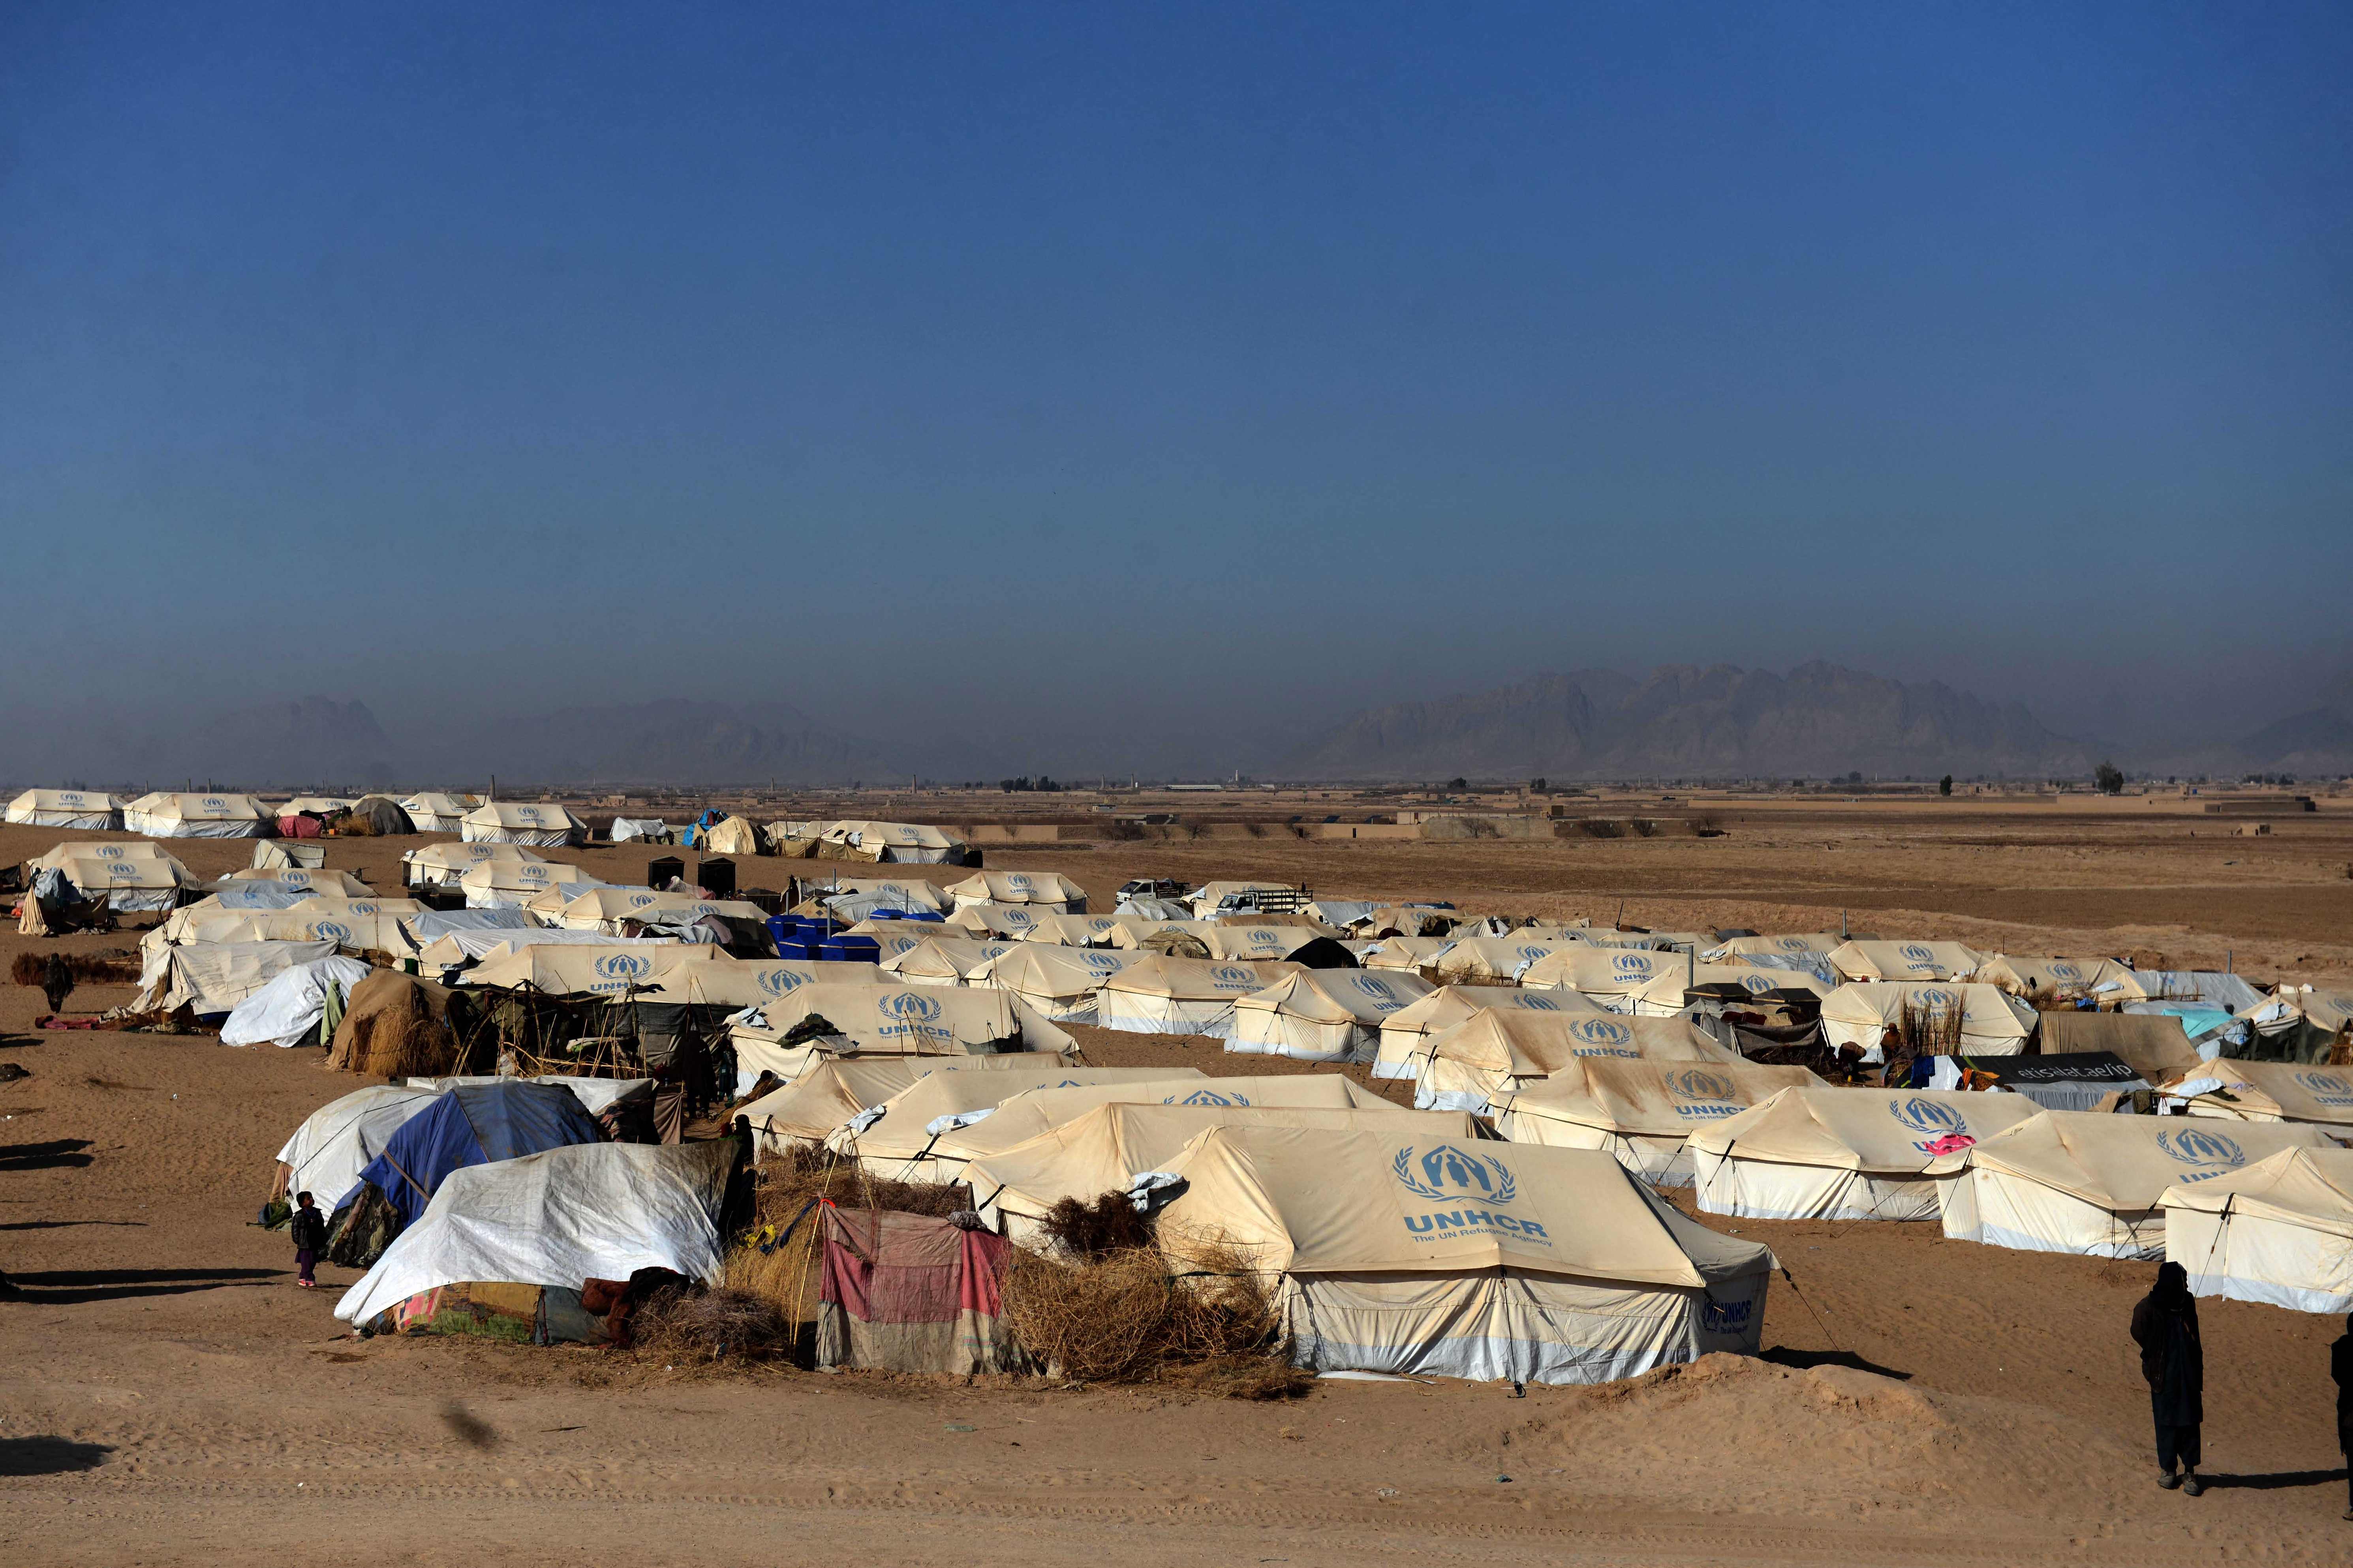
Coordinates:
<point>977,364</point>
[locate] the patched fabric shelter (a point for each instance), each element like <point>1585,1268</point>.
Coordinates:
<point>907,1292</point>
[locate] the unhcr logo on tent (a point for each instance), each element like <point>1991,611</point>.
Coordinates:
<point>1793,944</point>
<point>1233,975</point>
<point>1207,1097</point>
<point>1017,879</point>
<point>640,901</point>
<point>364,908</point>
<point>2326,1088</point>
<point>1631,965</point>
<point>623,966</point>
<point>2061,970</point>
<point>1539,1005</point>
<point>1719,1094</point>
<point>1918,954</point>
<point>214,803</point>
<point>1531,952</point>
<point>907,1007</point>
<point>332,930</point>
<point>1015,918</point>
<point>1601,1038</point>
<point>1757,985</point>
<point>1100,963</point>
<point>1927,1116</point>
<point>1373,987</point>
<point>110,851</point>
<point>2214,1154</point>
<point>1265,939</point>
<point>1447,1172</point>
<point>532,873</point>
<point>777,981</point>
<point>1934,999</point>
<point>122,869</point>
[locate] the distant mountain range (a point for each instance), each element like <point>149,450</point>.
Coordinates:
<point>1717,722</point>
<point>1686,722</point>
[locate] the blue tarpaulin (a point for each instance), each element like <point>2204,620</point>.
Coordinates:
<point>473,1124</point>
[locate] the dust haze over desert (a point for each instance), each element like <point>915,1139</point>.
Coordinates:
<point>1623,478</point>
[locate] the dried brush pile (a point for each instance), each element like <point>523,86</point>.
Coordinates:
<point>86,968</point>
<point>714,1325</point>
<point>808,1171</point>
<point>1087,1232</point>
<point>1124,1318</point>
<point>395,1026</point>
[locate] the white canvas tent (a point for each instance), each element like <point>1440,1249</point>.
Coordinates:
<point>1041,892</point>
<point>1399,1254</point>
<point>2086,1182</point>
<point>504,884</point>
<point>836,1089</point>
<point>1035,1112</point>
<point>897,892</point>
<point>442,865</point>
<point>1497,1050</point>
<point>87,811</point>
<point>131,878</point>
<point>336,1143</point>
<point>1408,952</point>
<point>1639,1111</point>
<point>432,812</point>
<point>1405,1033</point>
<point>1905,959</point>
<point>290,1007</point>
<point>1323,1015</point>
<point>752,982</point>
<point>1493,960</point>
<point>609,967</point>
<point>1073,930</point>
<point>310,881</point>
<point>1157,996</point>
<point>2279,1231</point>
<point>1015,921</point>
<point>2100,979</point>
<point>944,960</point>
<point>543,825</point>
<point>1105,1146</point>
<point>589,1211</point>
<point>1842,1153</point>
<point>164,815</point>
<point>641,830</point>
<point>1060,981</point>
<point>888,843</point>
<point>1993,1024</point>
<point>889,1020</point>
<point>458,946</point>
<point>212,977</point>
<point>1663,996</point>
<point>1611,976</point>
<point>1808,947</point>
<point>901,1137</point>
<point>2262,1092</point>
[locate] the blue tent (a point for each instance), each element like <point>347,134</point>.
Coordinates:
<point>472,1125</point>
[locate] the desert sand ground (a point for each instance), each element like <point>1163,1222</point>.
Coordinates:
<point>167,1396</point>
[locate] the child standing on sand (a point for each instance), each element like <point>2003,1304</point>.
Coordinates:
<point>310,1228</point>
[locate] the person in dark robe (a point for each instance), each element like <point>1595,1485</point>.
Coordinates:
<point>57,982</point>
<point>2340,1367</point>
<point>2165,1327</point>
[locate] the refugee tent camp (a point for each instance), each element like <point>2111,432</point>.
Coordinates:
<point>943,960</point>
<point>1323,1015</point>
<point>2085,1182</point>
<point>1611,976</point>
<point>1905,959</point>
<point>1107,1146</point>
<point>1639,1111</point>
<point>1008,921</point>
<point>1059,981</point>
<point>1842,1153</point>
<point>88,811</point>
<point>310,881</point>
<point>901,1137</point>
<point>2279,1231</point>
<point>1041,892</point>
<point>543,825</point>
<point>291,1007</point>
<point>2262,1092</point>
<point>498,884</point>
<point>1397,1253</point>
<point>1497,1050</point>
<point>436,813</point>
<point>594,1211</point>
<point>167,815</point>
<point>1405,1032</point>
<point>1158,995</point>
<point>1992,1022</point>
<point>1493,960</point>
<point>2298,1024</point>
<point>835,1090</point>
<point>442,865</point>
<point>899,843</point>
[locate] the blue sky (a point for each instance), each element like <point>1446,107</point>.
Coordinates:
<point>1031,365</point>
